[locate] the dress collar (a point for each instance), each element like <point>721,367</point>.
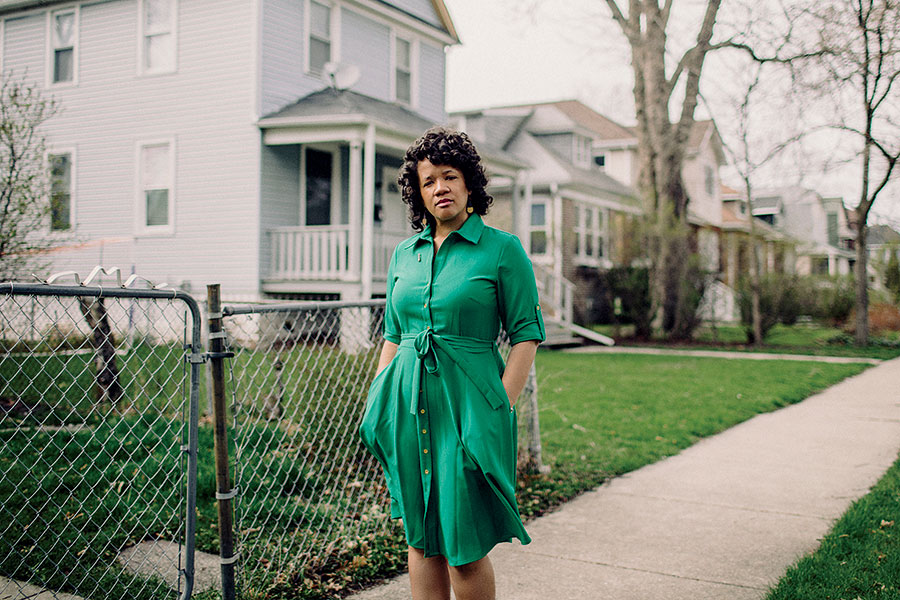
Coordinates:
<point>470,230</point>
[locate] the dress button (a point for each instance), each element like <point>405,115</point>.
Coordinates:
<point>426,471</point>
<point>423,410</point>
<point>424,431</point>
<point>425,451</point>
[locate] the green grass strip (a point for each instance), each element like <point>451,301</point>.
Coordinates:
<point>604,415</point>
<point>860,558</point>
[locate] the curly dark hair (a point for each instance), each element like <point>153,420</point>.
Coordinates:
<point>442,146</point>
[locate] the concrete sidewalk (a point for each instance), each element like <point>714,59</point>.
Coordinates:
<point>723,519</point>
<point>722,354</point>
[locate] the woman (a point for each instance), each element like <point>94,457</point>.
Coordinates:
<point>440,416</point>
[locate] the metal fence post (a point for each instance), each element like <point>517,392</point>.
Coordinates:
<point>224,492</point>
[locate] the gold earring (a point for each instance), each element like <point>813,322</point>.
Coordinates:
<point>470,210</point>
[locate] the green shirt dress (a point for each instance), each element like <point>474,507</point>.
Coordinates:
<point>437,417</point>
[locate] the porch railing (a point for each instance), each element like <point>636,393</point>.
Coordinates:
<point>385,242</point>
<point>320,252</point>
<point>314,252</point>
<point>556,293</point>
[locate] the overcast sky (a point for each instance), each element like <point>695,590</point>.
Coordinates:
<point>510,56</point>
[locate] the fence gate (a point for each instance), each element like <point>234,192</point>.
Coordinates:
<point>99,393</point>
<point>310,504</point>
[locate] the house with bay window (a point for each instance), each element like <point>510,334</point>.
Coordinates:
<point>573,217</point>
<point>250,143</point>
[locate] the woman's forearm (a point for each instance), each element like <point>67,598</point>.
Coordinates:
<point>521,357</point>
<point>388,351</point>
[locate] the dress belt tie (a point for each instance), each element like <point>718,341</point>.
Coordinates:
<point>424,343</point>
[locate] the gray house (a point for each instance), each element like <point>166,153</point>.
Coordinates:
<point>250,143</point>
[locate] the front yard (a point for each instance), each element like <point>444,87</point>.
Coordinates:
<point>601,415</point>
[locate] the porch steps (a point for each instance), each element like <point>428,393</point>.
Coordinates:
<point>562,334</point>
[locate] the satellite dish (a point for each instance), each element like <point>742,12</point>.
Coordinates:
<point>339,76</point>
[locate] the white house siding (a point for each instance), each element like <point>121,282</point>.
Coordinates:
<point>23,45</point>
<point>282,76</point>
<point>431,82</point>
<point>367,45</point>
<point>280,194</point>
<point>421,9</point>
<point>205,108</point>
<point>703,204</point>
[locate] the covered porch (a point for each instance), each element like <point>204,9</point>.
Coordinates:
<point>331,209</point>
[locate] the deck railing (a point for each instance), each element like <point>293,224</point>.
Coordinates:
<point>320,252</point>
<point>314,252</point>
<point>555,292</point>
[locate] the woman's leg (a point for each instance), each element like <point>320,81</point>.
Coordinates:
<point>428,577</point>
<point>474,581</point>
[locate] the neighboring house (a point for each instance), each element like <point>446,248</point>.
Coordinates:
<point>616,151</point>
<point>573,217</point>
<point>881,242</point>
<point>252,144</point>
<point>776,249</point>
<point>818,226</point>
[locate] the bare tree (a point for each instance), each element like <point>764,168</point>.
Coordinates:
<point>24,177</point>
<point>751,146</point>
<point>849,62</point>
<point>659,91</point>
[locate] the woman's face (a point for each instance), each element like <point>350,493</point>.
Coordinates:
<point>444,192</point>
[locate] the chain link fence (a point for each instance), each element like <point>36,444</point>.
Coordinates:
<point>312,512</point>
<point>98,438</point>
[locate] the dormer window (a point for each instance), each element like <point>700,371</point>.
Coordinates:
<point>600,161</point>
<point>581,155</point>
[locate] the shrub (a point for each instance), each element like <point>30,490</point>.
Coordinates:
<point>780,301</point>
<point>632,286</point>
<point>882,317</point>
<point>835,298</point>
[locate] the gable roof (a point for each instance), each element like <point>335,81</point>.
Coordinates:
<point>588,178</point>
<point>882,234</point>
<point>329,102</point>
<point>329,106</point>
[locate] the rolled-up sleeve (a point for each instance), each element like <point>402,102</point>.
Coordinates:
<point>517,295</point>
<point>391,330</point>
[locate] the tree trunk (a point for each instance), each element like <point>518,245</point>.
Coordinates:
<point>107,372</point>
<point>862,280</point>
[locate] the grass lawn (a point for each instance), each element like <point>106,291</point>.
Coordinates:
<point>859,558</point>
<point>803,338</point>
<point>603,415</point>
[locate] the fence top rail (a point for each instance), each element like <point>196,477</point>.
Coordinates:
<point>251,309</point>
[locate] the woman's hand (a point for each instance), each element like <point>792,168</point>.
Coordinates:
<point>521,357</point>
<point>388,351</point>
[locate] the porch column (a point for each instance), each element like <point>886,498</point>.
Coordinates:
<point>557,241</point>
<point>524,218</point>
<point>832,264</point>
<point>355,193</point>
<point>515,204</point>
<point>368,212</point>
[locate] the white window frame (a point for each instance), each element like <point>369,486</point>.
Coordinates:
<point>548,213</point>
<point>73,174</point>
<point>582,153</point>
<point>334,33</point>
<point>141,227</point>
<point>142,69</point>
<point>335,152</point>
<point>598,232</point>
<point>50,49</point>
<point>413,68</point>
